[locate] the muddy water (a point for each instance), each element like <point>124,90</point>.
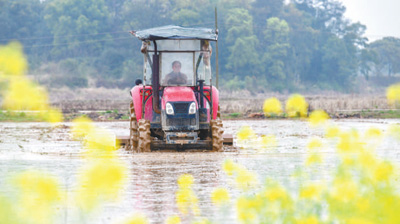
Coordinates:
<point>151,181</point>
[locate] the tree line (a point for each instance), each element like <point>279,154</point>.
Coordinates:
<point>264,45</point>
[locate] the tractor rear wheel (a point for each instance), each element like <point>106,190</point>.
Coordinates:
<point>134,134</point>
<point>217,139</point>
<point>144,136</point>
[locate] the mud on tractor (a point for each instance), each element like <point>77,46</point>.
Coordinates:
<point>175,106</point>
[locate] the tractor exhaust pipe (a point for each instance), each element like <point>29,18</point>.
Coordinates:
<point>155,81</point>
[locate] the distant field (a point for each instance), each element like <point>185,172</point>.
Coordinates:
<point>110,102</point>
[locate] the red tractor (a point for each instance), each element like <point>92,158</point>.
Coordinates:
<point>175,106</point>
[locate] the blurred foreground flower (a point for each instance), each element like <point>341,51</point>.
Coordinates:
<point>314,143</point>
<point>272,106</point>
<point>394,131</point>
<point>393,94</point>
<point>96,140</point>
<point>173,220</point>
<point>185,181</point>
<point>220,196</point>
<point>22,93</point>
<point>318,117</point>
<point>268,141</point>
<point>245,133</point>
<point>296,106</point>
<point>101,181</point>
<point>38,195</point>
<point>186,199</point>
<point>12,59</point>
<point>332,131</point>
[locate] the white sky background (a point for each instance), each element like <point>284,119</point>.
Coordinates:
<point>382,17</point>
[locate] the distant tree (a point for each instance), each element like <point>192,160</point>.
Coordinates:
<point>276,39</point>
<point>368,61</point>
<point>78,27</point>
<point>243,57</point>
<point>388,51</point>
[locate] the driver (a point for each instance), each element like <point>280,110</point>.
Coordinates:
<point>176,77</point>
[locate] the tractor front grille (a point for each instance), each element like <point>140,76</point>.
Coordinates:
<point>181,121</point>
<point>181,108</point>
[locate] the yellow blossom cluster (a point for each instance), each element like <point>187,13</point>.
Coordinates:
<point>296,106</point>
<point>247,138</point>
<point>220,196</point>
<point>362,190</point>
<point>186,199</point>
<point>244,178</point>
<point>22,93</point>
<point>393,94</point>
<point>38,194</point>
<point>318,117</point>
<point>272,107</point>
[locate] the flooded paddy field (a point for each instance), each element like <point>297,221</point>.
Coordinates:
<point>150,184</point>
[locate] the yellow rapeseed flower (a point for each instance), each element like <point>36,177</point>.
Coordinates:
<point>12,59</point>
<point>318,117</point>
<point>81,126</point>
<point>308,220</point>
<point>95,139</point>
<point>268,141</point>
<point>173,220</point>
<point>313,159</point>
<point>187,201</point>
<point>394,131</point>
<point>245,133</point>
<point>311,191</point>
<point>349,142</point>
<point>136,219</point>
<point>393,93</point>
<point>185,181</point>
<point>314,143</point>
<point>38,193</point>
<point>358,220</point>
<point>202,221</point>
<point>296,106</point>
<point>244,209</point>
<point>229,167</point>
<point>383,171</point>
<point>374,133</point>
<point>22,94</point>
<point>276,193</point>
<point>344,190</point>
<point>272,106</point>
<point>245,179</point>
<point>101,180</point>
<point>332,132</point>
<point>220,196</point>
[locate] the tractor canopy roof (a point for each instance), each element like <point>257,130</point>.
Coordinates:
<point>176,33</point>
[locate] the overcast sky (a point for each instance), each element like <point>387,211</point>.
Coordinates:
<point>381,17</point>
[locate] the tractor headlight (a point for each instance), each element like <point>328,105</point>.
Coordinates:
<point>192,108</point>
<point>169,109</point>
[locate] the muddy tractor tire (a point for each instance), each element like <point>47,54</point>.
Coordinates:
<point>144,136</point>
<point>134,134</point>
<point>217,139</point>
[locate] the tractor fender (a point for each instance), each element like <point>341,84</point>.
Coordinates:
<point>215,100</point>
<point>137,100</point>
<point>177,93</point>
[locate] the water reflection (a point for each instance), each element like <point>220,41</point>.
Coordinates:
<point>154,175</point>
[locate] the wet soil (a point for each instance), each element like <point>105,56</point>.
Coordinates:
<point>151,181</point>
